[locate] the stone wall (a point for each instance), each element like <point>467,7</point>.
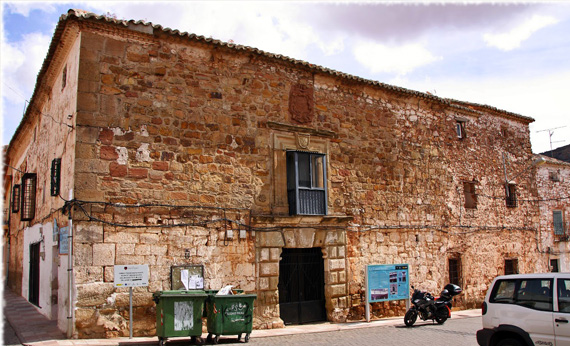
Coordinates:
<point>181,140</point>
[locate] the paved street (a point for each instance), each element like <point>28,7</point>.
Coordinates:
<point>455,332</point>
<point>9,335</point>
<point>35,330</point>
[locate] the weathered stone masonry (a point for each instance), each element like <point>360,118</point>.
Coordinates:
<point>181,138</point>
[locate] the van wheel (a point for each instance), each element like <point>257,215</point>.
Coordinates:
<point>509,342</point>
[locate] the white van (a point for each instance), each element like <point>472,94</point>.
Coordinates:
<point>527,309</point>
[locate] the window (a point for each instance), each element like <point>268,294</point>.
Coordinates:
<point>511,192</point>
<point>306,183</point>
<point>55,176</point>
<point>64,78</point>
<point>558,220</point>
<point>455,271</point>
<point>535,294</point>
<point>554,265</point>
<point>460,128</point>
<point>531,293</point>
<point>504,131</point>
<point>511,266</point>
<point>470,196</point>
<point>28,197</point>
<point>563,295</point>
<point>16,194</point>
<point>553,176</point>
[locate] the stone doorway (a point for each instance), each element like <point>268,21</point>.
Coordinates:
<point>301,286</point>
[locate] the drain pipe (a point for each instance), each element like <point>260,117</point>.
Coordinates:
<point>70,271</point>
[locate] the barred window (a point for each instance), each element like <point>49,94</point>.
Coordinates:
<point>558,221</point>
<point>455,271</point>
<point>16,194</point>
<point>28,197</point>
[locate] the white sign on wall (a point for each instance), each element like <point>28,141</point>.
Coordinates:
<point>131,275</point>
<point>183,315</point>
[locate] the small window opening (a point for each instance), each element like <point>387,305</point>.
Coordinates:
<point>460,128</point>
<point>455,271</point>
<point>64,78</point>
<point>553,176</point>
<point>511,266</point>
<point>504,131</point>
<point>16,194</point>
<point>470,196</point>
<point>511,195</point>
<point>554,265</point>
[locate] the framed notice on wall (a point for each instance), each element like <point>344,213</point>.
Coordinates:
<point>387,282</point>
<point>187,277</point>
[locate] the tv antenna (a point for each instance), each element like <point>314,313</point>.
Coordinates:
<point>550,133</point>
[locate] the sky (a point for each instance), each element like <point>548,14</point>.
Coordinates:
<point>513,56</point>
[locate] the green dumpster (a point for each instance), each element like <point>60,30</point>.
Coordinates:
<point>229,315</point>
<point>179,313</point>
<point>213,293</point>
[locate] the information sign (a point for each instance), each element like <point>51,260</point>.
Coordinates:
<point>63,241</point>
<point>131,275</point>
<point>387,282</point>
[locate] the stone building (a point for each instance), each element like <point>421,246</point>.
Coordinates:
<point>553,178</point>
<point>148,146</point>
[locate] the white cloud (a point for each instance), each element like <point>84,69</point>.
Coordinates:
<point>24,7</point>
<point>511,40</point>
<point>275,27</point>
<point>21,62</point>
<point>396,59</point>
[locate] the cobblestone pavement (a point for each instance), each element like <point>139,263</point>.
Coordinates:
<point>459,332</point>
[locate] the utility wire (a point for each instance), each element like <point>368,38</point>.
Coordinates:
<point>27,102</point>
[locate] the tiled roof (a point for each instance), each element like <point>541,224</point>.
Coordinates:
<point>562,153</point>
<point>149,28</point>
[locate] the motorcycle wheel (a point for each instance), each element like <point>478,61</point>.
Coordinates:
<point>410,318</point>
<point>441,316</point>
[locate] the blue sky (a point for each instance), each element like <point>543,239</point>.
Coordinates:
<point>512,55</point>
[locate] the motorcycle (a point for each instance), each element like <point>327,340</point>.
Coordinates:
<point>429,308</point>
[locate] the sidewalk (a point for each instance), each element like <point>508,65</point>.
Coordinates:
<point>32,328</point>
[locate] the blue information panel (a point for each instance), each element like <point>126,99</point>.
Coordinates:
<point>387,282</point>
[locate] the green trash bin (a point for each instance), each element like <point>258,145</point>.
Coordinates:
<point>178,314</point>
<point>229,315</point>
<point>213,293</point>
